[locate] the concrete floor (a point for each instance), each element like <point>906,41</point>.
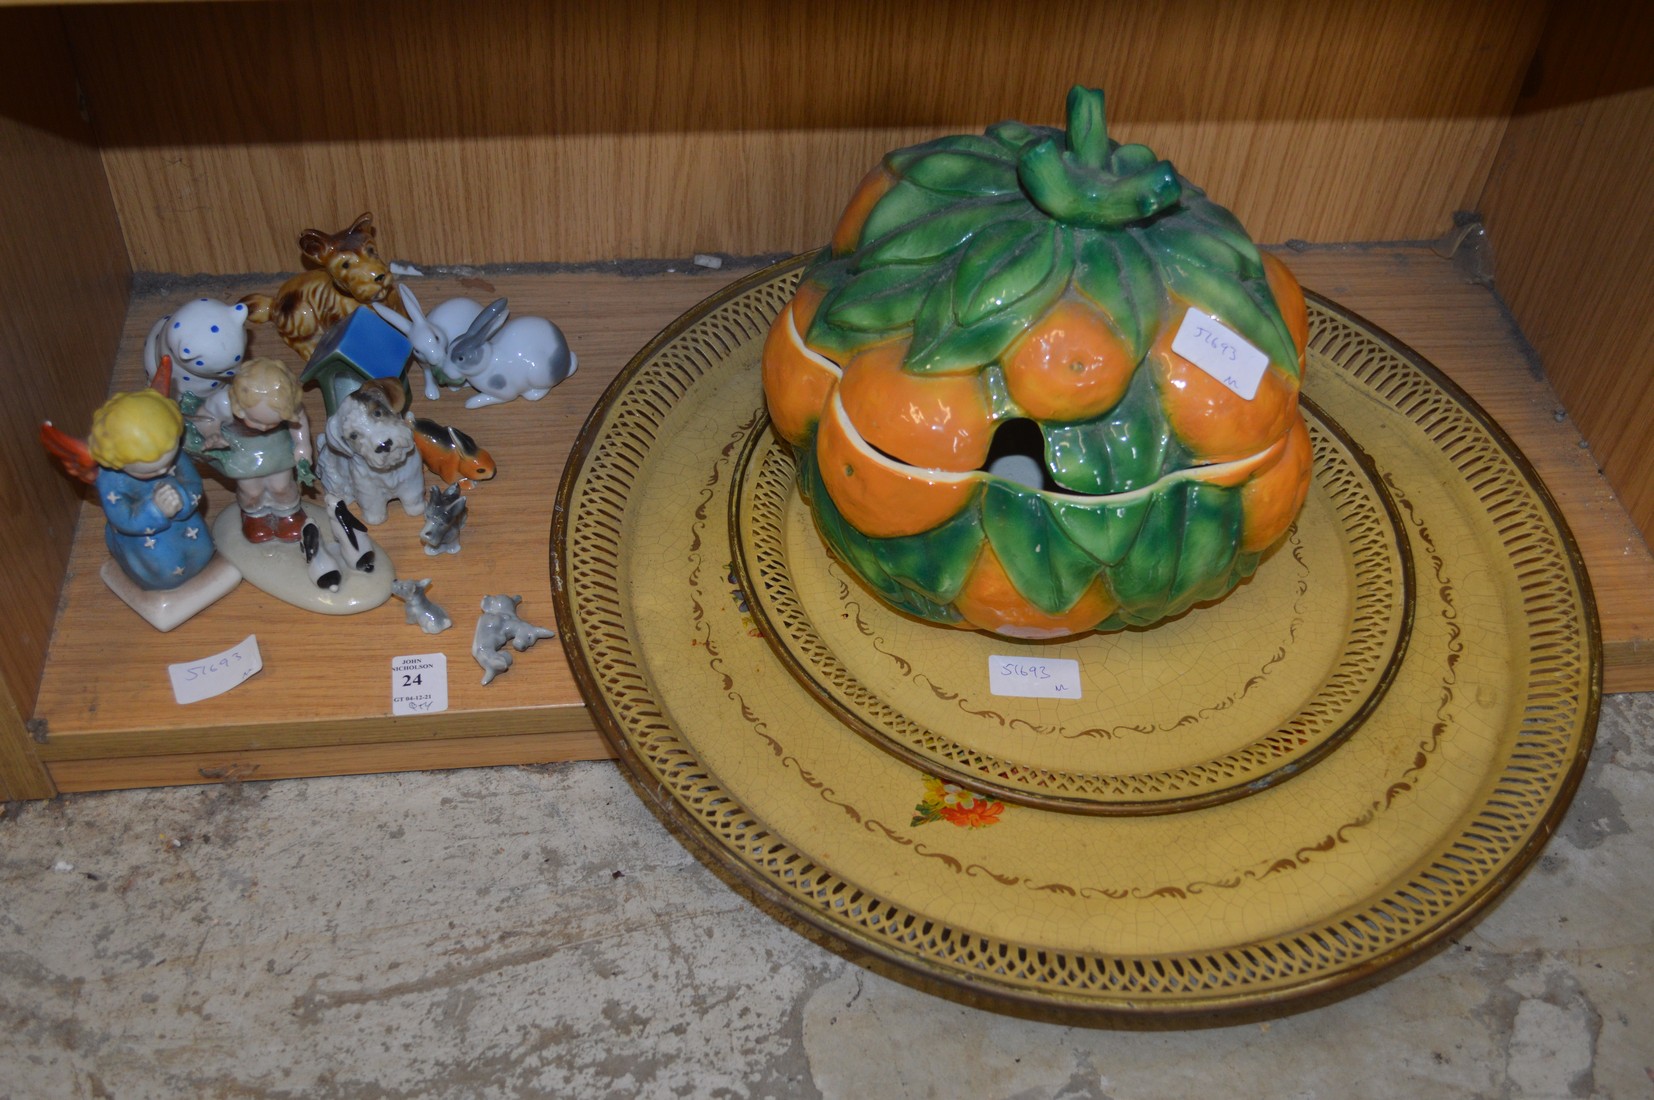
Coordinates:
<point>536,932</point>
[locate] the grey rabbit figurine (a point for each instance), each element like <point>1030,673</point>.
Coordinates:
<point>502,357</point>
<point>503,361</point>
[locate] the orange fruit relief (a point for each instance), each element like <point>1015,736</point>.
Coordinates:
<point>991,299</point>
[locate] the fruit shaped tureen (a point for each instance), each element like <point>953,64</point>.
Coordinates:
<point>1040,384</point>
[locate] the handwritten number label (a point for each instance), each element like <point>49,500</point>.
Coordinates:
<point>1221,352</point>
<point>193,681</point>
<point>419,683</point>
<point>1034,677</point>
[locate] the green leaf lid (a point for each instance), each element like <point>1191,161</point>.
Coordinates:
<point>979,235</point>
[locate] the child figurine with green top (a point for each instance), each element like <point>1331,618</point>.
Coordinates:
<point>255,432</point>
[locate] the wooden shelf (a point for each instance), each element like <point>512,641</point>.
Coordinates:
<point>321,705</point>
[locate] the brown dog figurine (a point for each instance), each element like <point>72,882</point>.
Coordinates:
<point>346,273</point>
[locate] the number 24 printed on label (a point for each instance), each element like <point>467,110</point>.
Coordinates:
<point>419,683</point>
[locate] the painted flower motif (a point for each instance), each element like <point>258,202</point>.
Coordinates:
<point>954,804</point>
<point>977,815</point>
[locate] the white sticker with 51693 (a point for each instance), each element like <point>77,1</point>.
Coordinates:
<point>193,681</point>
<point>1221,352</point>
<point>1034,677</point>
<point>419,683</point>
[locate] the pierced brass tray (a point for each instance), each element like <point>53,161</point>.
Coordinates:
<point>1431,802</point>
<point>1221,702</point>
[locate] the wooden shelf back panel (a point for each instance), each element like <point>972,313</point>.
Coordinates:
<point>499,131</point>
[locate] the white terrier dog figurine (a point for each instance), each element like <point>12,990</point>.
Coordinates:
<point>367,453</point>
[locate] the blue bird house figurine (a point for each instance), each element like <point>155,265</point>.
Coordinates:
<point>358,349</point>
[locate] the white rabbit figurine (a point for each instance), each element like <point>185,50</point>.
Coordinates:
<point>460,341</point>
<point>524,358</point>
<point>431,333</point>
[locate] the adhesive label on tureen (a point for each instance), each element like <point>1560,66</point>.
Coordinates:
<point>1034,677</point>
<point>1221,352</point>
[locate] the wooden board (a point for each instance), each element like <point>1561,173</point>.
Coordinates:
<point>501,131</point>
<point>322,703</point>
<point>188,768</point>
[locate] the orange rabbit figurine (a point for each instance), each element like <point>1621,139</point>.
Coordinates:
<point>450,454</point>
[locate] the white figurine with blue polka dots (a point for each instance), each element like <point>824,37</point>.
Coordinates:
<point>207,340</point>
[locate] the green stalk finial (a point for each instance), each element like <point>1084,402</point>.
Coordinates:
<point>1072,181</point>
<point>1087,127</point>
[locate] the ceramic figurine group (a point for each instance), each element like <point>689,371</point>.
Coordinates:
<point>243,418</point>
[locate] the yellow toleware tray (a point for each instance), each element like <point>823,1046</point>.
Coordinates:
<point>1215,704</point>
<point>1428,799</point>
